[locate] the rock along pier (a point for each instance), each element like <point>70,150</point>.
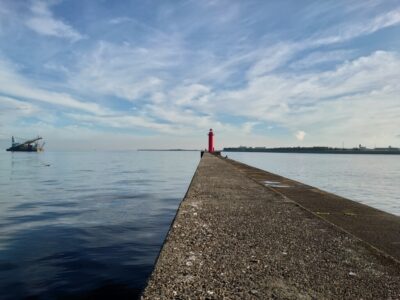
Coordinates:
<point>243,233</point>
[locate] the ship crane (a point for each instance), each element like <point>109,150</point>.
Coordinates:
<point>31,145</point>
<point>32,140</point>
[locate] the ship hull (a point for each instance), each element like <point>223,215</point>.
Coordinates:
<point>24,150</point>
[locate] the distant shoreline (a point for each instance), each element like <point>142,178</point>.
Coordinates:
<point>168,150</point>
<point>317,150</point>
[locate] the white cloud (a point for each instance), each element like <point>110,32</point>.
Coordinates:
<point>179,117</point>
<point>300,135</point>
<point>125,71</point>
<point>43,22</point>
<point>190,94</point>
<point>316,58</point>
<point>119,20</point>
<point>247,127</point>
<point>343,101</point>
<point>13,112</point>
<point>272,58</point>
<point>10,106</point>
<point>345,32</point>
<point>13,84</point>
<point>123,121</point>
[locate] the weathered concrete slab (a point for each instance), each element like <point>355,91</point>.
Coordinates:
<point>234,238</point>
<point>378,228</point>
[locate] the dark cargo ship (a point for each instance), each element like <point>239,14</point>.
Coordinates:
<point>31,145</point>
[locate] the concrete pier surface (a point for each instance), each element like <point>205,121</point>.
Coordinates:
<point>238,235</point>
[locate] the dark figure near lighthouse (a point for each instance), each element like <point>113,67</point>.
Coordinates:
<point>211,141</point>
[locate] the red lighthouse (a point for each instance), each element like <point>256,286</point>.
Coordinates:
<point>211,141</point>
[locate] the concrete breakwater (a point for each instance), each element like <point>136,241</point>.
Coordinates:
<point>243,233</point>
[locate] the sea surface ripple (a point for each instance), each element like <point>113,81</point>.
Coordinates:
<point>76,225</point>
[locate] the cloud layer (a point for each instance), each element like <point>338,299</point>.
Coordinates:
<point>43,22</point>
<point>144,73</point>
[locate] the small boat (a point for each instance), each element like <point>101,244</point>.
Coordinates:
<point>31,145</point>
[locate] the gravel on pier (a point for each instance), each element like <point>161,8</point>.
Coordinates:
<point>234,238</point>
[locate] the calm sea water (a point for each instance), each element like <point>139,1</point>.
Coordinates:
<point>86,224</point>
<point>370,179</point>
<point>90,224</point>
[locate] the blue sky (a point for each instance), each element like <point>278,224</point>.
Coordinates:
<point>158,74</point>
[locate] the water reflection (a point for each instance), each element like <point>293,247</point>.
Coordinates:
<point>88,226</point>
